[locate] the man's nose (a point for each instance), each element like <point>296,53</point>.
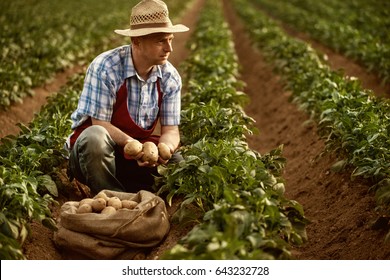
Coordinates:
<point>168,47</point>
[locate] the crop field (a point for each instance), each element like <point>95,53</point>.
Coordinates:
<point>285,126</point>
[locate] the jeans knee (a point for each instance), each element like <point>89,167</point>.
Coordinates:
<point>95,140</point>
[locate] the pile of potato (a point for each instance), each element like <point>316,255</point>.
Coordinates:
<point>151,151</point>
<point>103,204</point>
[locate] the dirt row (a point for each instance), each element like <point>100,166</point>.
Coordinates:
<point>340,210</point>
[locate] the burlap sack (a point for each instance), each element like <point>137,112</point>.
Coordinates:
<point>120,235</point>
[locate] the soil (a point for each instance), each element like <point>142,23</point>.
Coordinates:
<point>341,211</point>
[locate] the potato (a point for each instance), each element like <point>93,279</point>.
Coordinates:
<point>85,208</point>
<point>108,210</point>
<point>102,195</point>
<point>133,148</point>
<point>98,204</point>
<point>115,202</point>
<point>164,151</point>
<point>86,201</point>
<point>151,152</point>
<point>129,204</point>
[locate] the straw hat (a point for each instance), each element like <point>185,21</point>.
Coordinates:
<point>150,16</point>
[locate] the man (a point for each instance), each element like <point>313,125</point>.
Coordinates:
<point>126,91</point>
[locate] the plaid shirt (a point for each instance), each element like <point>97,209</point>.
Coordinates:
<point>105,76</point>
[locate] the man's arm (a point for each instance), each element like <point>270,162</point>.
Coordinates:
<point>170,136</point>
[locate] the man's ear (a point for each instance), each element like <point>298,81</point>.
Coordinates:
<point>135,41</point>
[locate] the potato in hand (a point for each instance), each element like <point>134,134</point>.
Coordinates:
<point>164,151</point>
<point>150,153</point>
<point>133,148</point>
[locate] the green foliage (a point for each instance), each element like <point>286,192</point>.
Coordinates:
<point>213,168</point>
<point>212,120</point>
<point>58,35</point>
<point>246,216</point>
<point>27,161</point>
<point>231,233</point>
<point>221,89</point>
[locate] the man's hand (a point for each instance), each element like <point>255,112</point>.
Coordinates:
<point>146,163</point>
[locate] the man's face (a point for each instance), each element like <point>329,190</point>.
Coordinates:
<point>156,48</point>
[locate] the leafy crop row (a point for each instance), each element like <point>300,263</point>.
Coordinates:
<point>354,123</point>
<point>368,16</point>
<point>29,161</point>
<point>40,38</point>
<point>238,191</point>
<point>26,188</point>
<point>360,33</point>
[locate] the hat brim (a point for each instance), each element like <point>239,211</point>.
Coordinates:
<point>145,31</point>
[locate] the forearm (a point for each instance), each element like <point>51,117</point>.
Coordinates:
<point>170,136</point>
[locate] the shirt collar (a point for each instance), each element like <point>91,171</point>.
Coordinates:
<point>155,74</point>
<point>129,70</point>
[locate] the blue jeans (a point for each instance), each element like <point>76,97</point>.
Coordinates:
<point>97,161</point>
